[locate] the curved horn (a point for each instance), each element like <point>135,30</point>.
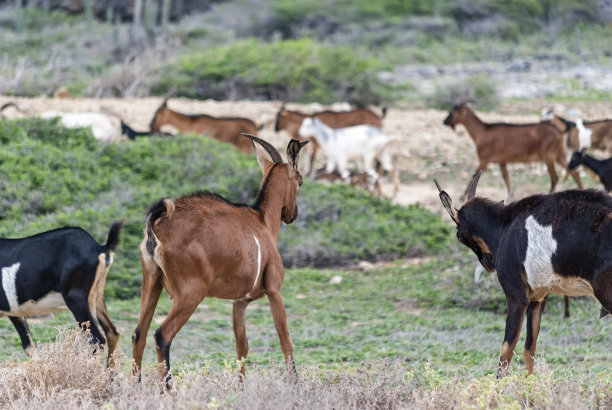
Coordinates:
<point>276,157</point>
<point>472,188</point>
<point>447,202</point>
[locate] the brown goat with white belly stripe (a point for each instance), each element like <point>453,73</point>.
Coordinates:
<point>202,245</point>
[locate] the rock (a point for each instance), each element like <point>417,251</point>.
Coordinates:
<point>335,280</point>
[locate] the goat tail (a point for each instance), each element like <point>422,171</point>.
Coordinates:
<point>113,236</point>
<point>384,113</point>
<point>156,211</point>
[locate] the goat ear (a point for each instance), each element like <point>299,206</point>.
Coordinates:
<point>472,189</point>
<point>263,158</point>
<point>293,151</point>
<point>447,202</point>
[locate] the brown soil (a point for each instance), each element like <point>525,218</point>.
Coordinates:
<point>425,148</point>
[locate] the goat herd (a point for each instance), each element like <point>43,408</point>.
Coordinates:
<point>201,245</point>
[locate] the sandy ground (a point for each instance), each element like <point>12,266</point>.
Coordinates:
<point>426,149</point>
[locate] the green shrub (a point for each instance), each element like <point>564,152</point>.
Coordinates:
<point>52,176</point>
<point>294,70</point>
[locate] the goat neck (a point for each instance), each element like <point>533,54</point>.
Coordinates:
<point>474,125</point>
<point>272,192</point>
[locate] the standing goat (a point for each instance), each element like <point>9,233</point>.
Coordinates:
<point>292,120</point>
<point>202,245</point>
<point>225,129</point>
<point>360,141</point>
<point>505,143</point>
<point>600,138</point>
<point>56,270</point>
<point>603,168</point>
<point>542,244</point>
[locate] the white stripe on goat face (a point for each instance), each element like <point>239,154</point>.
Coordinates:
<point>541,246</point>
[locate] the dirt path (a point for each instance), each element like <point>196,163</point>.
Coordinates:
<point>425,147</point>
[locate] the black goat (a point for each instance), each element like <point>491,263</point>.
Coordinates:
<point>539,245</point>
<point>603,168</point>
<point>56,270</point>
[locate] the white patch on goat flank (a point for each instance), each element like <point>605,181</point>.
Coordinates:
<point>538,260</point>
<point>9,274</point>
<point>51,302</point>
<point>258,261</point>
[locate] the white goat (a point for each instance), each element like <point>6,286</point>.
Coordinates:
<point>102,126</point>
<point>341,144</point>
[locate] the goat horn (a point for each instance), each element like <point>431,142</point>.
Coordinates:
<point>472,188</point>
<point>276,157</point>
<point>447,202</point>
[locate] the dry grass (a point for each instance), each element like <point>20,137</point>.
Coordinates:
<point>66,375</point>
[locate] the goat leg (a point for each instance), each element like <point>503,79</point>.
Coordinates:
<point>514,322</point>
<point>279,315</point>
<point>239,324</point>
<point>21,325</point>
<point>534,314</point>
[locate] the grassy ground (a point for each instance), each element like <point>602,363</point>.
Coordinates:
<point>418,311</point>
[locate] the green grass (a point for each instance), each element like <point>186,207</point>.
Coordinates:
<point>425,313</point>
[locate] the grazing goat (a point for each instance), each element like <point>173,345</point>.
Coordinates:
<point>291,121</point>
<point>226,129</point>
<point>539,245</point>
<point>102,126</point>
<point>359,141</point>
<point>603,168</point>
<point>505,143</point>
<point>56,270</point>
<point>202,245</point>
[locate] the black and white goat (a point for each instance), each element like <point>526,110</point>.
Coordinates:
<point>57,270</point>
<point>556,243</point>
<point>603,168</point>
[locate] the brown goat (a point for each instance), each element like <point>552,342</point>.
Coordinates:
<point>290,121</point>
<point>505,143</point>
<point>226,129</point>
<point>202,245</point>
<point>601,138</point>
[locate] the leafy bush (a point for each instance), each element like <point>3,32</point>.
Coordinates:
<point>339,225</point>
<point>52,176</point>
<point>294,70</point>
